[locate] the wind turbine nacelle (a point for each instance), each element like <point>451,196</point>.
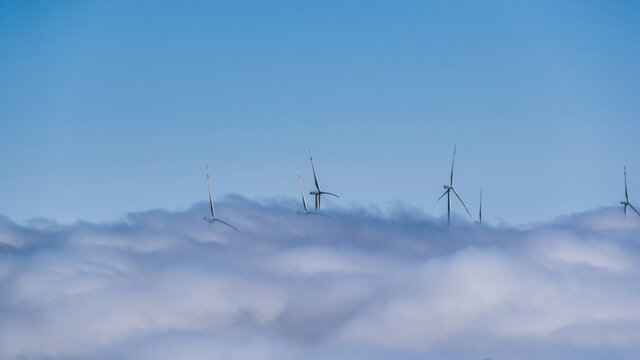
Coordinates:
<point>623,203</point>
<point>448,187</point>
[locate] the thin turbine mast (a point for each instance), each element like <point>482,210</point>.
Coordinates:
<point>480,209</point>
<point>449,208</point>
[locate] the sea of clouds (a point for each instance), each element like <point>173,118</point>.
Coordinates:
<point>357,284</point>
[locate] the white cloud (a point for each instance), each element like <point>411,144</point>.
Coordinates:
<point>162,285</point>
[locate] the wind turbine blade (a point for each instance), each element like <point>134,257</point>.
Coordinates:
<point>213,212</point>
<point>445,193</point>
<point>304,201</point>
<point>229,225</point>
<point>626,192</point>
<point>480,212</point>
<point>465,206</point>
<point>634,209</point>
<point>328,193</point>
<point>452,162</point>
<point>315,176</point>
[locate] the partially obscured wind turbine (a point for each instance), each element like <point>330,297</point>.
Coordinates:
<point>449,189</point>
<point>480,211</point>
<point>318,192</point>
<point>304,201</point>
<point>626,195</point>
<point>213,217</point>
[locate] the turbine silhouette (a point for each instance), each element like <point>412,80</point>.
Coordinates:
<point>626,195</point>
<point>304,200</point>
<point>450,188</point>
<point>212,219</point>
<point>318,193</point>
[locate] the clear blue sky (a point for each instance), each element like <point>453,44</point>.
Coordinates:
<point>108,107</point>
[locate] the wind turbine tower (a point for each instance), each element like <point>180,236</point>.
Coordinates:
<point>626,195</point>
<point>212,219</point>
<point>318,193</point>
<point>450,188</point>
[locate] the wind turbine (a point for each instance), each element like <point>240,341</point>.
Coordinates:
<point>449,189</point>
<point>626,195</point>
<point>480,211</point>
<point>318,192</point>
<point>304,201</point>
<point>211,219</point>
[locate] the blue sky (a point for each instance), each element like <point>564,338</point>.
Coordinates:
<point>112,107</point>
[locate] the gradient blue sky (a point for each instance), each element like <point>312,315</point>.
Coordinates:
<point>108,107</point>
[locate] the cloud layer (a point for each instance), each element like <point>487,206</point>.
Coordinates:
<point>165,285</point>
